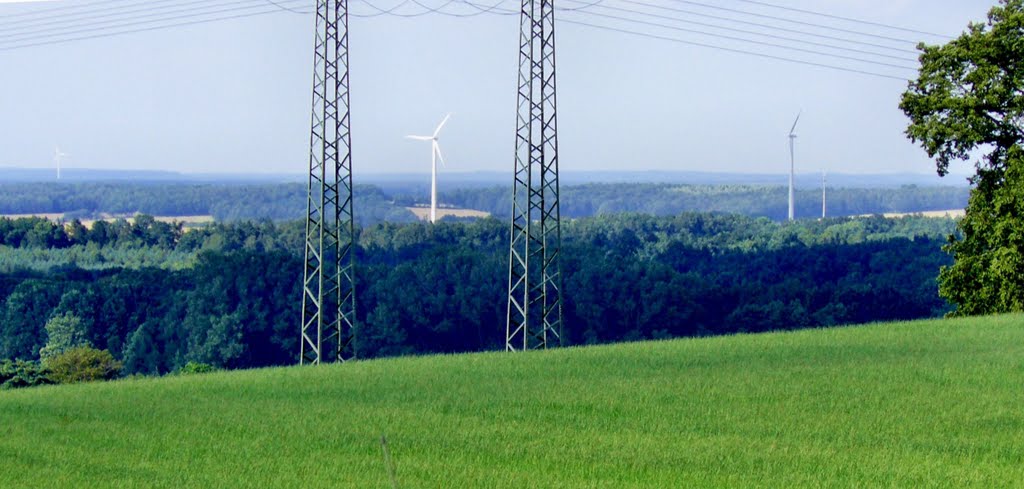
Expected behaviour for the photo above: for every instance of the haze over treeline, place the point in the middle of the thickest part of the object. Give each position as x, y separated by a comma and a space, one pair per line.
390, 200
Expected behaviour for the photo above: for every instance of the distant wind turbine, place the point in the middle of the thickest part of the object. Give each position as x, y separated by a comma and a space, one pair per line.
58, 157
435, 154
822, 194
792, 163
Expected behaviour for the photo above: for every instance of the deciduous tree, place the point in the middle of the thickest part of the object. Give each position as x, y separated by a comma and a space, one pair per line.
968, 101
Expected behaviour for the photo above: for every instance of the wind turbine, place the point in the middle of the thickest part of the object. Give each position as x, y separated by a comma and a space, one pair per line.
435, 154
792, 162
58, 157
822, 194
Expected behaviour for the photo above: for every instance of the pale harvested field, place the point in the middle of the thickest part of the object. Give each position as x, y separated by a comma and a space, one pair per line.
954, 213
52, 217
187, 220
423, 213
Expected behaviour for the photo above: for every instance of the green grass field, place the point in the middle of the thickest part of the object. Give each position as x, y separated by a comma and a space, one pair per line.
922, 404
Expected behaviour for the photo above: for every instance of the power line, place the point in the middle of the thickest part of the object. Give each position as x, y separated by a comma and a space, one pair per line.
228, 13
97, 27
585, 5
712, 46
847, 19
494, 9
767, 26
95, 20
288, 9
752, 41
798, 22
56, 18
55, 9
394, 10
381, 11
732, 50
745, 31
144, 29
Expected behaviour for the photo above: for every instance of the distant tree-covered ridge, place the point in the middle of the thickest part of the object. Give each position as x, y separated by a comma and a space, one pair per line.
751, 200
287, 201
225, 202
228, 294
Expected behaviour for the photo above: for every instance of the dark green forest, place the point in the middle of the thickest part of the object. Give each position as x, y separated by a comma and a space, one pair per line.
287, 201
158, 297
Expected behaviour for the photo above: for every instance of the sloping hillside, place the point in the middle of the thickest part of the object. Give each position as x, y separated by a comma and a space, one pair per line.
922, 404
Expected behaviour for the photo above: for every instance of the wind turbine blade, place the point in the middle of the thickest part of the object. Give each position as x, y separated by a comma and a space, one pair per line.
795, 122
437, 149
441, 125
420, 138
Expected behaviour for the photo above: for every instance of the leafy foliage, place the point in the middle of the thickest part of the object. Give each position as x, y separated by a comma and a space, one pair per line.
441, 288
63, 332
969, 98
15, 374
191, 368
83, 364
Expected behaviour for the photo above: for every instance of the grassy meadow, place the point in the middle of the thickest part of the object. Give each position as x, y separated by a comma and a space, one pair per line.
922, 404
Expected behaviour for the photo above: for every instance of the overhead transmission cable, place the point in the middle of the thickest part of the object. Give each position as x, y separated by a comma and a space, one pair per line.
767, 26
394, 10
847, 19
212, 8
732, 50
178, 21
750, 32
204, 16
289, 9
750, 41
44, 11
71, 17
147, 12
495, 9
818, 53
792, 21
717, 47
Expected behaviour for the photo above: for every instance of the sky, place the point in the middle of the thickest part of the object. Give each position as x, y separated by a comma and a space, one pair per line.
234, 96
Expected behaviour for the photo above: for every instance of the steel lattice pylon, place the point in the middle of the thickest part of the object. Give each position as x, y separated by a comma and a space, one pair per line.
328, 304
535, 279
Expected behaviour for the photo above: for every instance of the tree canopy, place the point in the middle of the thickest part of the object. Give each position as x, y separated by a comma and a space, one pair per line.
968, 102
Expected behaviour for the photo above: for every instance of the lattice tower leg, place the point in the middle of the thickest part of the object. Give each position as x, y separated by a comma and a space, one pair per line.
535, 278
328, 297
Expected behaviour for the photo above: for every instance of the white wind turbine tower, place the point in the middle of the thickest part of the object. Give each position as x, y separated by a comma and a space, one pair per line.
822, 194
792, 162
58, 157
435, 154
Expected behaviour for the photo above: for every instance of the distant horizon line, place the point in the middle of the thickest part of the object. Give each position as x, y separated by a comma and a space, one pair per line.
473, 172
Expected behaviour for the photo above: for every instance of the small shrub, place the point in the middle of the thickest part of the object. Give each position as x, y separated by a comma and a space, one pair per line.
83, 364
196, 368
23, 374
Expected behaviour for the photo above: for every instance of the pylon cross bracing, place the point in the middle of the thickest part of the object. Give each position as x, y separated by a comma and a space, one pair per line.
535, 278
329, 301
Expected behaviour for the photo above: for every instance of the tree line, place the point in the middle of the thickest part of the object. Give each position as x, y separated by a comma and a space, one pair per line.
223, 201
287, 201
234, 300
751, 200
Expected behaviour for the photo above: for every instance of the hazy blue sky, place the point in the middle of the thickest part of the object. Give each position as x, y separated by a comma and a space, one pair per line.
233, 96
